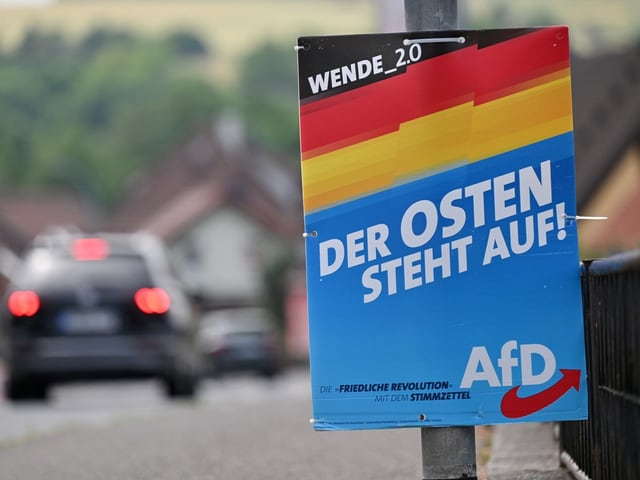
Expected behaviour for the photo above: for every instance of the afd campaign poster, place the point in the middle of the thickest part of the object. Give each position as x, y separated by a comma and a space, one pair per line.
441, 247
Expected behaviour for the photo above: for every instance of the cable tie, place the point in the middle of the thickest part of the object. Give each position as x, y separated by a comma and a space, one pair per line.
582, 217
409, 41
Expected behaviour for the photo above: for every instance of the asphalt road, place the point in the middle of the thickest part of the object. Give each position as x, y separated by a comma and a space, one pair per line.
238, 428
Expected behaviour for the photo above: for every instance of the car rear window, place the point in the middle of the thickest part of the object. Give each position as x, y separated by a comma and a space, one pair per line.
43, 269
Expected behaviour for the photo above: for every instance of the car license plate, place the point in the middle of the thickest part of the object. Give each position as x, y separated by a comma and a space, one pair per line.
91, 321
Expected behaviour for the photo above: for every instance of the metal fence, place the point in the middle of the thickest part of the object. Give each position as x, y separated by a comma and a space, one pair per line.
607, 445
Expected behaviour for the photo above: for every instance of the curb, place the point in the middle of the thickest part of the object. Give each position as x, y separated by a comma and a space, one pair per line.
525, 451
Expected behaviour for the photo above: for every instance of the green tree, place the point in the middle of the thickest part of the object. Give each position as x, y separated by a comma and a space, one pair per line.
187, 44
86, 115
267, 93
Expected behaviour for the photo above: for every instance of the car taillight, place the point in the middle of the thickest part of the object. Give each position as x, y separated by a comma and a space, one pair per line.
152, 300
90, 249
23, 303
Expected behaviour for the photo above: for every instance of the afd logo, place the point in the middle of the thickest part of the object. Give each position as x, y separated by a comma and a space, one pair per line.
480, 367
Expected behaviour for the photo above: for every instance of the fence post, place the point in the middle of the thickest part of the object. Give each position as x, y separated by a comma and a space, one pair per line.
594, 438
448, 453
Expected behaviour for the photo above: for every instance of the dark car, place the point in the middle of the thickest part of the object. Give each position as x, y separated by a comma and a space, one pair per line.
239, 340
96, 306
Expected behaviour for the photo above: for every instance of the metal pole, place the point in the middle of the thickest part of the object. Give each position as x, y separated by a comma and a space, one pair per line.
448, 453
431, 15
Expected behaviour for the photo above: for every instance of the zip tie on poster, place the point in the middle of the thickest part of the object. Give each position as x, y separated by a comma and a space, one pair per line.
582, 217
410, 41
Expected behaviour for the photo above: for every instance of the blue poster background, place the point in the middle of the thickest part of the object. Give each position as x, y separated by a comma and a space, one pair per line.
399, 360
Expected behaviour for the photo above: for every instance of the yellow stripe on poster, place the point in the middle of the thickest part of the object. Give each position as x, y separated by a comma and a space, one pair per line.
342, 193
521, 119
418, 146
434, 141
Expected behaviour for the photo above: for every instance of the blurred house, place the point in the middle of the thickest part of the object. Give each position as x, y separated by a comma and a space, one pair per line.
606, 108
227, 213
24, 215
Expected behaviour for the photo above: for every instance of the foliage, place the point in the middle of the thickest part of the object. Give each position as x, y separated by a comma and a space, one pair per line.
86, 115
267, 93
186, 43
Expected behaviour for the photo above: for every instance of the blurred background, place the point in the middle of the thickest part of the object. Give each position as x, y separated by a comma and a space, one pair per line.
180, 118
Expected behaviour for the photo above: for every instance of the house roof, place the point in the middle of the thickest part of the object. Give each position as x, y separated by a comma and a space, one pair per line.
606, 111
203, 176
24, 215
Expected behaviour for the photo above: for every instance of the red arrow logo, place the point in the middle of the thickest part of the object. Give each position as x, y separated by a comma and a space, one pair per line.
513, 406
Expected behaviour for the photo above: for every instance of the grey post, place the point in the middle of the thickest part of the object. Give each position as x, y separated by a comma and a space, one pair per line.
448, 453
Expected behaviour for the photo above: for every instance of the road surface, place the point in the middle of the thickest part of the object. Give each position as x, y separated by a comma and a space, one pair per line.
237, 428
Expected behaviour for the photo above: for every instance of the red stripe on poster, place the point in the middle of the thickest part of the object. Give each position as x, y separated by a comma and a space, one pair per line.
381, 107
520, 63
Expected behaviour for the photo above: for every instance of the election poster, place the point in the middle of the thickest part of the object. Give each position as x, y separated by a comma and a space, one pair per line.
442, 266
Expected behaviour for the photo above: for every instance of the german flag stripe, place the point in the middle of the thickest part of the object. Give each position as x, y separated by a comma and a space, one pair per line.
492, 100
358, 115
480, 75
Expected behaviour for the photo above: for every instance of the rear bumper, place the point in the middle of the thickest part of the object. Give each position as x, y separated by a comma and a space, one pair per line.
68, 357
